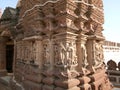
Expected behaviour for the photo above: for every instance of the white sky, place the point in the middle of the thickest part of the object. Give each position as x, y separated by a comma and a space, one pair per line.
112, 20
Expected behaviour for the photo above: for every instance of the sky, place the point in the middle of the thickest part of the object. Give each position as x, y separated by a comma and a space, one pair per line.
7, 3
112, 20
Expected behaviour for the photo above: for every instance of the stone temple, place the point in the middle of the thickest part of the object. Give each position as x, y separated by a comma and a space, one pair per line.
53, 45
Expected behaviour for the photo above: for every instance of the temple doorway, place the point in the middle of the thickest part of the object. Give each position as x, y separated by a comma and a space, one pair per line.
9, 57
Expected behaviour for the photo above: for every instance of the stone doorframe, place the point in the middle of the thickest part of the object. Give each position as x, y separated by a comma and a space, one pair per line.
3, 42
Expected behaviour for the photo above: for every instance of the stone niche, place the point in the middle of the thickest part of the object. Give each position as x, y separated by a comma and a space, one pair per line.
58, 46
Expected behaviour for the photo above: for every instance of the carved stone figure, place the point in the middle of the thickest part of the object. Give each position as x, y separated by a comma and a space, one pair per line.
84, 59
46, 53
98, 54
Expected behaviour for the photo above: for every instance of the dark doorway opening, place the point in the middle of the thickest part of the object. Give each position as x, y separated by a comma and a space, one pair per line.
9, 58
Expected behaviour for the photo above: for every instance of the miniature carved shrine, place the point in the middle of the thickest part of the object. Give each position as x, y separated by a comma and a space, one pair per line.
58, 45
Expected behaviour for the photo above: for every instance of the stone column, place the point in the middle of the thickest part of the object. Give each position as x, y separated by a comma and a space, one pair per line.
82, 52
90, 53
95, 52
65, 61
2, 56
48, 64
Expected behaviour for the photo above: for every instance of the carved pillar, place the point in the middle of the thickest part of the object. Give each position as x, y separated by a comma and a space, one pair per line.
48, 64
3, 56
65, 61
90, 53
95, 52
82, 53
39, 53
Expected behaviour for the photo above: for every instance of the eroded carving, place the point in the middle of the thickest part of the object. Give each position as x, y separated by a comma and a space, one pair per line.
66, 54
98, 54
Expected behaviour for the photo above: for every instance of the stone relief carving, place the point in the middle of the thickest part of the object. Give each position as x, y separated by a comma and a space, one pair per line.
46, 53
98, 54
57, 54
66, 54
84, 56
33, 51
26, 51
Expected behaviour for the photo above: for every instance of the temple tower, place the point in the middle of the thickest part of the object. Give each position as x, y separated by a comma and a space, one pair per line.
58, 45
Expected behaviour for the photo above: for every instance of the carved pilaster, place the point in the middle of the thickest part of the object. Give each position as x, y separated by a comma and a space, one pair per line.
65, 61
95, 52
82, 53
48, 64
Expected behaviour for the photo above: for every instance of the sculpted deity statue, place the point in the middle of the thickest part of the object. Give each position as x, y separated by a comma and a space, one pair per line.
84, 56
46, 54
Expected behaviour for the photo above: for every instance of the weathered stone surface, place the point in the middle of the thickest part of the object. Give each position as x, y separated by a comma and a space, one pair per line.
58, 45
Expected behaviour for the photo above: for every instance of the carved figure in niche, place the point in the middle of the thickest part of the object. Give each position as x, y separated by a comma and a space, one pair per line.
57, 55
70, 53
84, 56
67, 54
98, 54
62, 53
46, 54
33, 51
